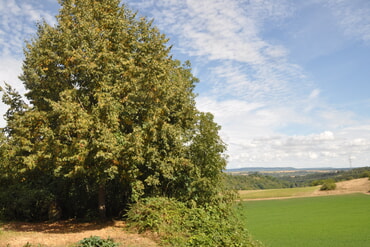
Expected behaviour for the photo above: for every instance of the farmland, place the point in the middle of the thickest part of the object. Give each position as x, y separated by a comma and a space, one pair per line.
277, 193
340, 220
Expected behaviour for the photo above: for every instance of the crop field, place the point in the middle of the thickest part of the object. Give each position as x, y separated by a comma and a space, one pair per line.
330, 221
272, 193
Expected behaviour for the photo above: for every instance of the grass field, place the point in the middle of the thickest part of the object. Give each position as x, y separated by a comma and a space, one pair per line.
328, 221
272, 193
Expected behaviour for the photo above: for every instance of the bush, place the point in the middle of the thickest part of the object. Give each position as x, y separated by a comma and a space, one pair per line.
328, 185
95, 241
18, 202
365, 174
179, 225
317, 182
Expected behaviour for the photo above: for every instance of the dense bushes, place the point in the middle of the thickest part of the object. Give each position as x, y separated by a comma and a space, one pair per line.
180, 225
328, 185
95, 241
254, 181
19, 202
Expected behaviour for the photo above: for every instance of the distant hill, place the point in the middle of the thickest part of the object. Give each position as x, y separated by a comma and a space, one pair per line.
281, 169
287, 177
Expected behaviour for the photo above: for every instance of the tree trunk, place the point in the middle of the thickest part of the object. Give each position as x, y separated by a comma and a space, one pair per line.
102, 208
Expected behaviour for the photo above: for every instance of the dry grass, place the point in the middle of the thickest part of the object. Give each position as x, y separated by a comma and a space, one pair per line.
67, 233
360, 185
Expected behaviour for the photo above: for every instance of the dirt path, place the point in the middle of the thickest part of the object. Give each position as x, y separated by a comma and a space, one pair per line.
66, 233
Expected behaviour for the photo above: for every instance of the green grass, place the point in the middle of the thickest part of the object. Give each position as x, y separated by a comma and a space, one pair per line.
329, 221
256, 194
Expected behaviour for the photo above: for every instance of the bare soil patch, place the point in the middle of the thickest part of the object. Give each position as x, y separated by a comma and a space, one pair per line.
67, 233
360, 185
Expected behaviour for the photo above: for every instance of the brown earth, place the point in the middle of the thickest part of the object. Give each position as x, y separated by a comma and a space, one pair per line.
67, 233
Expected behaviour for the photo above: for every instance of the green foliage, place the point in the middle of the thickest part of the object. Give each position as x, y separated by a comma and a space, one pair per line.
274, 180
112, 116
179, 225
3, 159
365, 174
254, 181
20, 202
318, 178
158, 214
317, 182
328, 185
95, 241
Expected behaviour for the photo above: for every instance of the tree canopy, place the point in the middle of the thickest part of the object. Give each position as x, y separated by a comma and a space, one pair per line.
112, 116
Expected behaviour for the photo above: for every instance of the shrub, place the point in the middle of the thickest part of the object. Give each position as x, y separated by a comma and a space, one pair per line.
316, 182
365, 174
179, 225
19, 202
95, 241
328, 185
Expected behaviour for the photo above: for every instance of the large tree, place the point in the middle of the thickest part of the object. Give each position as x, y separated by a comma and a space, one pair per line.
108, 104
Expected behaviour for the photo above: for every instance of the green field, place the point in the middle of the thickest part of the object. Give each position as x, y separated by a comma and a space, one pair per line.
289, 192
329, 221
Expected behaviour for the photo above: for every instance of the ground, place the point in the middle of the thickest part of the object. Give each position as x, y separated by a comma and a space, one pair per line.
66, 233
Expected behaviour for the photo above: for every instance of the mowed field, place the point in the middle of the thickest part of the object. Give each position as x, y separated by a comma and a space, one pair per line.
277, 193
361, 185
324, 220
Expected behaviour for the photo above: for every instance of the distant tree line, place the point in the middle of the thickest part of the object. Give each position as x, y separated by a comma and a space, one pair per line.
319, 178
255, 180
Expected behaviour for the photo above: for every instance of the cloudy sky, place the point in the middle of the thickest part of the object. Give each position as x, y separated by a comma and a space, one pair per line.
288, 81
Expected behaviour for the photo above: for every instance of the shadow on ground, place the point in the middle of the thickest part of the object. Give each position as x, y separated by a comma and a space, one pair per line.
62, 227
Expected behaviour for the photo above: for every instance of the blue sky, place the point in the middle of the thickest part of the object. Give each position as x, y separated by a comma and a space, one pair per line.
288, 81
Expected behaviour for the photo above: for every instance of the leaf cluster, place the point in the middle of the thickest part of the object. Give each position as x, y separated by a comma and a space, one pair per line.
180, 225
254, 181
96, 241
328, 184
19, 202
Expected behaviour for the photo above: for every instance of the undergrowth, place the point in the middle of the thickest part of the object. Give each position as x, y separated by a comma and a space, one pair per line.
328, 184
95, 241
178, 225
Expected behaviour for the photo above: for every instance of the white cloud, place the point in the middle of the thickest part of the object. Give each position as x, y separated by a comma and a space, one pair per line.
353, 17
17, 23
252, 133
10, 69
303, 151
314, 94
262, 82
253, 88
